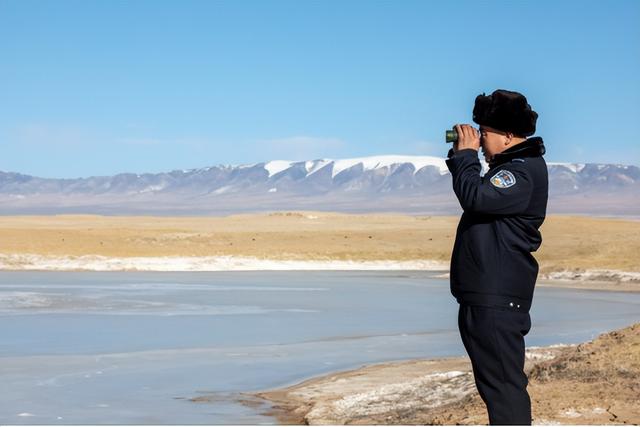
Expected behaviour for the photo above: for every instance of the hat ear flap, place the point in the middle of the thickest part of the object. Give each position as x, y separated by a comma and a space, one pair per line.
481, 108
522, 116
531, 125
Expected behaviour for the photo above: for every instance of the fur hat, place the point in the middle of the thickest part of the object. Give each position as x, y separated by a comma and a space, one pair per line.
506, 111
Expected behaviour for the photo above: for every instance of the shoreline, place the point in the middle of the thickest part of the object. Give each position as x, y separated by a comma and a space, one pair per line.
562, 385
35, 262
595, 279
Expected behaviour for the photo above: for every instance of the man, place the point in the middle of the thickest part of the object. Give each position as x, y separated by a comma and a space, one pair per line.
492, 270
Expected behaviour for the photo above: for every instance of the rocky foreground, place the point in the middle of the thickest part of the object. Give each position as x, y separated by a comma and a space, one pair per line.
597, 382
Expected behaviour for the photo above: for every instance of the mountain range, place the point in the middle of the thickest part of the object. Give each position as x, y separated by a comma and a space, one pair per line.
391, 183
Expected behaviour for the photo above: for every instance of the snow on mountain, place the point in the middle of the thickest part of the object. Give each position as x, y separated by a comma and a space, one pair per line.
312, 166
377, 183
375, 162
368, 163
277, 166
573, 167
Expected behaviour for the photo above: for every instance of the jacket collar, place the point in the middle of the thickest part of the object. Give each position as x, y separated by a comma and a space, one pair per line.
531, 147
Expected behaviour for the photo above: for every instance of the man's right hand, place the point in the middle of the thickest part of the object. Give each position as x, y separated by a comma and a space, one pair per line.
468, 137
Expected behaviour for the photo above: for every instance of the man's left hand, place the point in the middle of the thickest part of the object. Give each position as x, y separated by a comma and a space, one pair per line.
468, 137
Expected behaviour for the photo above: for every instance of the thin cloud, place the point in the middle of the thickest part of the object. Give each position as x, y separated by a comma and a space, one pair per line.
48, 135
300, 148
193, 143
429, 148
140, 141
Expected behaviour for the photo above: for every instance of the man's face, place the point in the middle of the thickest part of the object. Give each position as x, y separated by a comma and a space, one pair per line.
492, 142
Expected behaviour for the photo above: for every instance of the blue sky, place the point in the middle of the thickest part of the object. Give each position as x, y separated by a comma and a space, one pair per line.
102, 87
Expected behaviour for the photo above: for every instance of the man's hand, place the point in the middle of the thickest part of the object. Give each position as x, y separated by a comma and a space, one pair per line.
468, 137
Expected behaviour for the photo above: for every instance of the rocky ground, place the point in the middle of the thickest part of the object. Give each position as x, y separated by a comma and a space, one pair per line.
597, 382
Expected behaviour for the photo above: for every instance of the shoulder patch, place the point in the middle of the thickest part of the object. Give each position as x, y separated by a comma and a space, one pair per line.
503, 179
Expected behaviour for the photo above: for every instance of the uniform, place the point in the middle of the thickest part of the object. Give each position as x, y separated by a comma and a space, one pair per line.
493, 273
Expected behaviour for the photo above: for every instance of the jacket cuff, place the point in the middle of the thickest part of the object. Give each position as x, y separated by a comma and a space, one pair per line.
464, 152
461, 157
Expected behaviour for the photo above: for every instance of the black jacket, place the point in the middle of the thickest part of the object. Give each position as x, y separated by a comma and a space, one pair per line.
491, 263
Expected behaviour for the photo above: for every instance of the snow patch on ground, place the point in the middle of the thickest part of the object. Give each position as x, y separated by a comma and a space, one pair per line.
428, 391
210, 263
594, 275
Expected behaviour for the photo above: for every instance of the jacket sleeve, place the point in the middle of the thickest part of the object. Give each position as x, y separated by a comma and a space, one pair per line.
479, 195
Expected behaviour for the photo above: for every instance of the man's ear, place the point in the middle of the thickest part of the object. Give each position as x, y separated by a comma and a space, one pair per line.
509, 137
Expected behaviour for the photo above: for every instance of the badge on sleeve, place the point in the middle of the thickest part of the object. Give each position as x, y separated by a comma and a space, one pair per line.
503, 179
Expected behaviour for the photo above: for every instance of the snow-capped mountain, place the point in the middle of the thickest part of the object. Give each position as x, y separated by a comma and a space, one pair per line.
410, 184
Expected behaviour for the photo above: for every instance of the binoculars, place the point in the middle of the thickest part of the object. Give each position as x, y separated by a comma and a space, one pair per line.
451, 135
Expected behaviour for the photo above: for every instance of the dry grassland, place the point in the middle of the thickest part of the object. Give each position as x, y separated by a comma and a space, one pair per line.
569, 242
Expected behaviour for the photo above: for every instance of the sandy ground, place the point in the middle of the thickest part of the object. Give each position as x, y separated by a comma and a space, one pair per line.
575, 249
574, 384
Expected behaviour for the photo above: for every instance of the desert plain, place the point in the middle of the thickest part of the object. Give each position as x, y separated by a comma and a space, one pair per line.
596, 251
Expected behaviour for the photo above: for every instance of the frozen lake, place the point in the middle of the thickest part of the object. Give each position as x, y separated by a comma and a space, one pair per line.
132, 348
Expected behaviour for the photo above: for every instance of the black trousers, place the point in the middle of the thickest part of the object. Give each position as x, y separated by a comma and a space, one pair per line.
494, 340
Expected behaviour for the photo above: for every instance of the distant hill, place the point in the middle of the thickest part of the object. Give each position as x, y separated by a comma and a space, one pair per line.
407, 184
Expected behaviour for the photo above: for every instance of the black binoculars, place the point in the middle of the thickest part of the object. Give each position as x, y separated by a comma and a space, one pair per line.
451, 135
